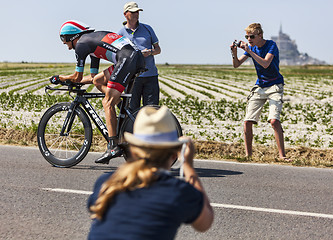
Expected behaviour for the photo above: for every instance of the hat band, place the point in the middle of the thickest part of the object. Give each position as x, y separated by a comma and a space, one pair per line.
159, 137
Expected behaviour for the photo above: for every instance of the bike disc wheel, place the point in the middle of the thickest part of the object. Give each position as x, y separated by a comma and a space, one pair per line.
67, 150
128, 127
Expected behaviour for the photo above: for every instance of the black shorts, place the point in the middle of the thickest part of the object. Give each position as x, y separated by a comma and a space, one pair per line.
129, 62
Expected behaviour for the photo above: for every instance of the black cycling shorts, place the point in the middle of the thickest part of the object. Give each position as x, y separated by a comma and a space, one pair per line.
129, 62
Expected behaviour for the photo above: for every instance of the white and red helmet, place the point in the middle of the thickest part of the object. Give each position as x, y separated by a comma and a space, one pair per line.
73, 29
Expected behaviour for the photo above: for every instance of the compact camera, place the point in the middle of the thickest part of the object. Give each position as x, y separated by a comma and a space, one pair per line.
237, 44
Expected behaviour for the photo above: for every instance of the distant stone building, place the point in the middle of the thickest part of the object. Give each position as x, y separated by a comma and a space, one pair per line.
289, 54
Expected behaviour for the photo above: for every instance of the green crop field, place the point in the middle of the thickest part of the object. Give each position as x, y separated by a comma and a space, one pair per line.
208, 100
211, 101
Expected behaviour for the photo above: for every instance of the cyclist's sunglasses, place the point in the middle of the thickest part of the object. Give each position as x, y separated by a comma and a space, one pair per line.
68, 38
64, 38
250, 36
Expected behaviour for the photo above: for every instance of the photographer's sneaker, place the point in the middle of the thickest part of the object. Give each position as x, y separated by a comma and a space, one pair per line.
110, 153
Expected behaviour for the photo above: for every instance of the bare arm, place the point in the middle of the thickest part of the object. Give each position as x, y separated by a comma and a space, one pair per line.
88, 79
75, 77
264, 62
206, 217
154, 51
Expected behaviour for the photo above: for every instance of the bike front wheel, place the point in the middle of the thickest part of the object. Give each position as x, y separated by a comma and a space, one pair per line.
127, 126
70, 148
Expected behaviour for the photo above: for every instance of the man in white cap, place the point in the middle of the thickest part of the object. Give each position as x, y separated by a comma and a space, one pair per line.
142, 35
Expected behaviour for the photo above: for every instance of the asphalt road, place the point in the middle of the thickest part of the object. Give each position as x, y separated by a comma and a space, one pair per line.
251, 201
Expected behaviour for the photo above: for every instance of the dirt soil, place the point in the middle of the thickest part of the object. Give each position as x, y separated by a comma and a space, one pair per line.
301, 156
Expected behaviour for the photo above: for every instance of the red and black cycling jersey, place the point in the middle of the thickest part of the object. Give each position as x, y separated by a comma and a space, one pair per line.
99, 45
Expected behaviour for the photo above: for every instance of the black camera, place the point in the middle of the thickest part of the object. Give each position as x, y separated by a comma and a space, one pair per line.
237, 44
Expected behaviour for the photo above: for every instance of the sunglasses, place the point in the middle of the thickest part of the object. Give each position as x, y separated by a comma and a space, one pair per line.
64, 38
250, 36
68, 38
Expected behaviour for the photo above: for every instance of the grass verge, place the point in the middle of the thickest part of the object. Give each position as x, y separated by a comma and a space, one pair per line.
301, 156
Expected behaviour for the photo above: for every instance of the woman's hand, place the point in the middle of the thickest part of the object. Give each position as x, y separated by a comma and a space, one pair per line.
189, 150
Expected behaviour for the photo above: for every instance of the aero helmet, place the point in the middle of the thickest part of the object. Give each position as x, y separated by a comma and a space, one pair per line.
73, 29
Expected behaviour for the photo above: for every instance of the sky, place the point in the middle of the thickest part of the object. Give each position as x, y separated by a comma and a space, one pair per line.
189, 32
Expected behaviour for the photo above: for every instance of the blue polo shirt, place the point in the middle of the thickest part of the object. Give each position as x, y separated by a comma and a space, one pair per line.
267, 76
143, 37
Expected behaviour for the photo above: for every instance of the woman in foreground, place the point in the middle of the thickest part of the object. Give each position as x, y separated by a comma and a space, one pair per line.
142, 200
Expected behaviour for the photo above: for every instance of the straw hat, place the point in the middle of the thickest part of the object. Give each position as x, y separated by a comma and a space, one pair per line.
132, 7
154, 128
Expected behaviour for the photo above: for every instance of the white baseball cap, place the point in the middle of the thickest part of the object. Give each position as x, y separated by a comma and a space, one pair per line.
132, 7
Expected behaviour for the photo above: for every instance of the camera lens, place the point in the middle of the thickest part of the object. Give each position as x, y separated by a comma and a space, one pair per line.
237, 44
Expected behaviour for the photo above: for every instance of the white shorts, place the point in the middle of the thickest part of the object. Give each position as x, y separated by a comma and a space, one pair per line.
257, 99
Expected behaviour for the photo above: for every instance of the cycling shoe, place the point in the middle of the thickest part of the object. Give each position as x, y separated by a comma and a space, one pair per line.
110, 153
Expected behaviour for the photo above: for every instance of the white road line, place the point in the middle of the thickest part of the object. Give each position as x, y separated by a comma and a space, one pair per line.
270, 210
219, 205
67, 191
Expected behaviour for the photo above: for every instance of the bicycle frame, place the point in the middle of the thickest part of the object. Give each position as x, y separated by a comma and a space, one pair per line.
82, 99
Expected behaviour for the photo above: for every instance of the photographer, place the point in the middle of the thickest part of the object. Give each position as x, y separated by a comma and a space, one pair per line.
269, 85
142, 200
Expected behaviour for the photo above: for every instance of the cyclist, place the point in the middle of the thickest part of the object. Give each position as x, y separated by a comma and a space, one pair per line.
127, 59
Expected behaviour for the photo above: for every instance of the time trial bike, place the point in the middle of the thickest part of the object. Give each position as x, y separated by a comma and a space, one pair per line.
65, 131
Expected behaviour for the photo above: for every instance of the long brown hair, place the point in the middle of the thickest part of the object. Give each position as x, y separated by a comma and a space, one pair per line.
138, 173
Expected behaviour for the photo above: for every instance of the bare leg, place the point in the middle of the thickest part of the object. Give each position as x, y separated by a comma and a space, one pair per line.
101, 80
278, 132
87, 80
111, 98
248, 137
